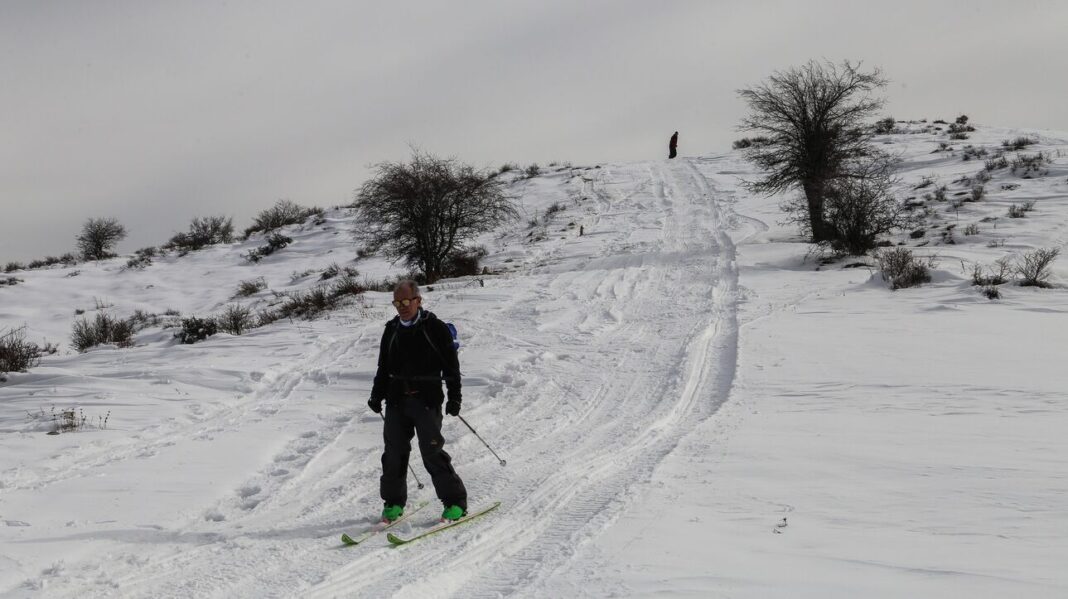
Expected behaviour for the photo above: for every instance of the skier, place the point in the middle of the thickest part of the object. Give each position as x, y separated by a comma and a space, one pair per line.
673, 145
415, 355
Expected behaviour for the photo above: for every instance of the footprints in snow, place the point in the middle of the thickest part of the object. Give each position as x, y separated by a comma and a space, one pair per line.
285, 466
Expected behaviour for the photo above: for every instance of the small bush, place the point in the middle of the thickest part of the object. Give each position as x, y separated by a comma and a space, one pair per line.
991, 292
958, 135
997, 163
884, 126
465, 262
983, 176
533, 170
235, 319
1018, 144
506, 167
346, 285
334, 270
1034, 268
17, 354
204, 232
972, 229
196, 329
283, 213
13, 266
901, 269
551, 210
102, 329
9, 281
996, 275
924, 182
251, 287
1021, 211
751, 142
971, 151
978, 192
138, 262
275, 242
1028, 164
307, 304
940, 193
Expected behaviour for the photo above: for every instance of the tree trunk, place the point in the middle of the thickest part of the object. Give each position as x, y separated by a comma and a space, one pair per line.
814, 197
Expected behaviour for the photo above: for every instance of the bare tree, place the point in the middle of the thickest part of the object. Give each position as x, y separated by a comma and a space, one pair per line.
98, 238
424, 211
814, 116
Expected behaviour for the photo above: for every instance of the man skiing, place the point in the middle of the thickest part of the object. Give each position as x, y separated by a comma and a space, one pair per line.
415, 355
673, 145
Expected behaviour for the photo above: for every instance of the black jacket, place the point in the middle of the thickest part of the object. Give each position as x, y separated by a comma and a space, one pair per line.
413, 360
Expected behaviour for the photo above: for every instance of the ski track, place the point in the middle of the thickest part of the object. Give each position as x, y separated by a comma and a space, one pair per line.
580, 425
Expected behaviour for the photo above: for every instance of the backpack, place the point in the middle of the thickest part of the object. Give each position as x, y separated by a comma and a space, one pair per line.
455, 335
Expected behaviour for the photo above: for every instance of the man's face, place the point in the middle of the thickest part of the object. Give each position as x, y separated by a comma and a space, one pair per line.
405, 295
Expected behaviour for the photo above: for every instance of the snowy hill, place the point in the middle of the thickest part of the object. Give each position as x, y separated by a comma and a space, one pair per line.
688, 405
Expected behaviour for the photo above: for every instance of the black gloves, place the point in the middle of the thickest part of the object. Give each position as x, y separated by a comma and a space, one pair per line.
452, 407
375, 403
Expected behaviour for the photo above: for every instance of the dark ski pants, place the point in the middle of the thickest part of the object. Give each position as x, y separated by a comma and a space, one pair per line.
671, 153
404, 418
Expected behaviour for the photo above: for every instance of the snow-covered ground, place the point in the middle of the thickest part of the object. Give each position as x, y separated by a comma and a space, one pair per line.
688, 405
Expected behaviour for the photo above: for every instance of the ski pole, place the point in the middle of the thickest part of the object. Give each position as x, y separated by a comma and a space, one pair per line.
410, 469
503, 463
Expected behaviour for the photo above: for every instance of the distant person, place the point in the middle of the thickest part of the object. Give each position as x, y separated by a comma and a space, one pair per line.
415, 355
673, 145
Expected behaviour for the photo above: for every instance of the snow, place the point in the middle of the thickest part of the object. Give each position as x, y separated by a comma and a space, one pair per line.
666, 389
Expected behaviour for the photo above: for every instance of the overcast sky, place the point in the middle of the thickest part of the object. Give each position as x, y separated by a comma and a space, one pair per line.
156, 112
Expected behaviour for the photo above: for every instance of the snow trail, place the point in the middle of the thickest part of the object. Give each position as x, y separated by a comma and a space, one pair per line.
586, 366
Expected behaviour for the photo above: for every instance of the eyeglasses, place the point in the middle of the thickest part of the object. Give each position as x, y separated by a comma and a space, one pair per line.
404, 302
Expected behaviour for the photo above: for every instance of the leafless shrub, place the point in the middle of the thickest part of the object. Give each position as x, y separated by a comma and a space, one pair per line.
283, 213
13, 266
1034, 268
925, 182
102, 329
978, 192
901, 269
996, 275
202, 233
972, 229
275, 242
997, 163
748, 142
884, 126
235, 319
971, 151
251, 287
1021, 211
1024, 164
17, 354
195, 329
1018, 144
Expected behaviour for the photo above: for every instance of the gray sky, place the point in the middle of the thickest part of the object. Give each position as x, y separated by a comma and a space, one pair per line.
156, 112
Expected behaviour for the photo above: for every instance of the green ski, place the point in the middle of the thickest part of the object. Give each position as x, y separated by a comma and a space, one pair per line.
440, 527
380, 527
